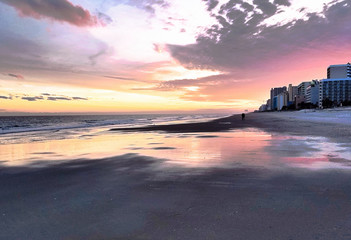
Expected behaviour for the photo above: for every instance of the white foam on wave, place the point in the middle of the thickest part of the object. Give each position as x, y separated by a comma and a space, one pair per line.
24, 129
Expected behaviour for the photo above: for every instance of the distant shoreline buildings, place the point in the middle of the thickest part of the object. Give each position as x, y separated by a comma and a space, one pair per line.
333, 91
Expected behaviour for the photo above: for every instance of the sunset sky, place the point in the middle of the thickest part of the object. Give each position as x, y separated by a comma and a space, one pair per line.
163, 55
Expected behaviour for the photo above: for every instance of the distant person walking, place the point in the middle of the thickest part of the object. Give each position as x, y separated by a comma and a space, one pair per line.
243, 116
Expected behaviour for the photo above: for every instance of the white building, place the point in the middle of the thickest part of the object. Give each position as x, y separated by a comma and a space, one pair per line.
312, 93
282, 100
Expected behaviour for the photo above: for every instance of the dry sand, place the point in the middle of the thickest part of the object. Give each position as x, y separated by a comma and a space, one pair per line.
125, 198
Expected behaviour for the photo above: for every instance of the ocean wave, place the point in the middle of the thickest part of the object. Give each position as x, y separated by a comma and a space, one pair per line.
9, 125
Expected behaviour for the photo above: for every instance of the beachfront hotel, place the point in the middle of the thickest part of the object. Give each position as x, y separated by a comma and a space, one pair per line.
312, 93
274, 96
292, 91
339, 71
333, 91
302, 88
336, 89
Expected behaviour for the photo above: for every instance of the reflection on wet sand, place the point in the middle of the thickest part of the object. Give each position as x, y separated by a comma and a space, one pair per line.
245, 147
131, 197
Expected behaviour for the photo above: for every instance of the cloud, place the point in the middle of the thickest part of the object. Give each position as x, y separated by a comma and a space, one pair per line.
59, 98
177, 84
3, 110
5, 97
211, 4
120, 78
32, 54
95, 56
127, 79
48, 97
266, 7
79, 98
149, 5
240, 40
57, 10
17, 52
32, 99
18, 76
282, 2
104, 18
64, 98
183, 83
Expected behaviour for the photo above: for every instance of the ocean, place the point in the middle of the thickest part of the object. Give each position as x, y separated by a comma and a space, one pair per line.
19, 129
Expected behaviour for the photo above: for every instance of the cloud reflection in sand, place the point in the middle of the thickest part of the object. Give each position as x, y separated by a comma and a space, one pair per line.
247, 147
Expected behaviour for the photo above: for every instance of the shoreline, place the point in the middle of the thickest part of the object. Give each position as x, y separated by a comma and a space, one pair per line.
276, 122
221, 124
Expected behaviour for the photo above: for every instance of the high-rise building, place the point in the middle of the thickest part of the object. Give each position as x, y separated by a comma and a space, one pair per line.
269, 105
299, 99
339, 71
335, 91
282, 100
263, 108
292, 90
336, 88
312, 93
301, 89
274, 93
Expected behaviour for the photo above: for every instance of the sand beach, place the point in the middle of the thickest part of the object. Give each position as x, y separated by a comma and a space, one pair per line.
333, 123
281, 175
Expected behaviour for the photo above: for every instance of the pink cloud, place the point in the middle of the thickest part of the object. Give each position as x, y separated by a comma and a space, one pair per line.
57, 10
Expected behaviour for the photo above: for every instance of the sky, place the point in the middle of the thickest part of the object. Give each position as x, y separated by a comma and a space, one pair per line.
114, 56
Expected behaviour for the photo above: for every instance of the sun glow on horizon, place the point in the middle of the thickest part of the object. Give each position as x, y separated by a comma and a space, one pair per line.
42, 98
192, 88
164, 55
178, 72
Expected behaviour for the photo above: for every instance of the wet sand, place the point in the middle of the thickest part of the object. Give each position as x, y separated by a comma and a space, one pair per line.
278, 122
125, 198
132, 197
